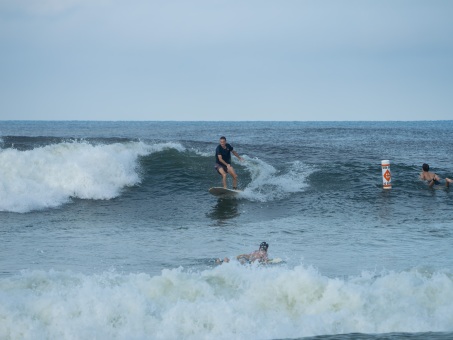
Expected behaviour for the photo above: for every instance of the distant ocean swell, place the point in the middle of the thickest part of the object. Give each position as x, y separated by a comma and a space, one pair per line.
229, 301
50, 175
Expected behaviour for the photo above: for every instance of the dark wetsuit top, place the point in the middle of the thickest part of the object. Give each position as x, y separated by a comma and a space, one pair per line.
226, 154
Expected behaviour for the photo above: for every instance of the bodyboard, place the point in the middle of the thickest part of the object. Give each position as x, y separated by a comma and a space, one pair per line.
275, 260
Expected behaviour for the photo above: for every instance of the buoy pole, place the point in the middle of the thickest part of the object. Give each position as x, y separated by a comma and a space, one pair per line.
386, 175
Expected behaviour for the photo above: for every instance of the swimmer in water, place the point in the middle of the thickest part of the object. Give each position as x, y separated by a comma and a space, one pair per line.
431, 178
259, 255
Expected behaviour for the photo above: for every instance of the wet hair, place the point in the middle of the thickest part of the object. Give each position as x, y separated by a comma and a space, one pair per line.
264, 245
425, 167
223, 137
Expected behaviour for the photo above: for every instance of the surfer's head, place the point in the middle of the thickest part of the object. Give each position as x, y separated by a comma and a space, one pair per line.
222, 141
264, 246
425, 167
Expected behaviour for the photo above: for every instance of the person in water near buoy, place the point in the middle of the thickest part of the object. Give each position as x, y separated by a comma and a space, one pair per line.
432, 178
259, 255
223, 162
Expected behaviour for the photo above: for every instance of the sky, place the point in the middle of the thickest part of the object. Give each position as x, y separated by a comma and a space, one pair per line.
220, 60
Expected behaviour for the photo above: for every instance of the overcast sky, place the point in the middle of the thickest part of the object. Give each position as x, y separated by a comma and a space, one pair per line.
226, 60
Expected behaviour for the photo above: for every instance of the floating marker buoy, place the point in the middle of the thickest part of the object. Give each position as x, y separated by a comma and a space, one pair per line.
386, 175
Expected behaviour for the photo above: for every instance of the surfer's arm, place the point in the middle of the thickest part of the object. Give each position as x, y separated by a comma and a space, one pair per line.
222, 161
237, 155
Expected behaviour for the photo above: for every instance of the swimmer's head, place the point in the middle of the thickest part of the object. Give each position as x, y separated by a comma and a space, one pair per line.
264, 246
425, 167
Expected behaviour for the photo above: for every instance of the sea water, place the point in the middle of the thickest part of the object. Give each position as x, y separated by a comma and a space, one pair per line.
108, 231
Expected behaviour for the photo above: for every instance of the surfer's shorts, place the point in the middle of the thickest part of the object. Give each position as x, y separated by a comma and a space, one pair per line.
218, 166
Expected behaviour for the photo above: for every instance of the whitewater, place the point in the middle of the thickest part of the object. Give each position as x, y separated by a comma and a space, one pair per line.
226, 302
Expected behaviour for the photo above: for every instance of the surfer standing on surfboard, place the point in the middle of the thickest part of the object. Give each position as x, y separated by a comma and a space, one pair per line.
223, 162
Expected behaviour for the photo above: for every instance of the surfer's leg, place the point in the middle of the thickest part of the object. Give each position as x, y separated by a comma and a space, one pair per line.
448, 181
235, 177
224, 175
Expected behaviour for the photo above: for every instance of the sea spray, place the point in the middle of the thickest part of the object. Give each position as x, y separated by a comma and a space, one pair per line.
269, 184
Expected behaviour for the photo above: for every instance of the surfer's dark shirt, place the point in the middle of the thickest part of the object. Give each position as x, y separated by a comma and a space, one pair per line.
226, 153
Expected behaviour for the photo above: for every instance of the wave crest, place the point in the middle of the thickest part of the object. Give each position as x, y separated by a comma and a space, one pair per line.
49, 176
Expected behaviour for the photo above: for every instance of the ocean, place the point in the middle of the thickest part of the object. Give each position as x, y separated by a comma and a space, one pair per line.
108, 231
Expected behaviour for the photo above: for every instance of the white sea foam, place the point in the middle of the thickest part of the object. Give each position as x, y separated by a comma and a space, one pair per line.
230, 301
49, 176
269, 184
